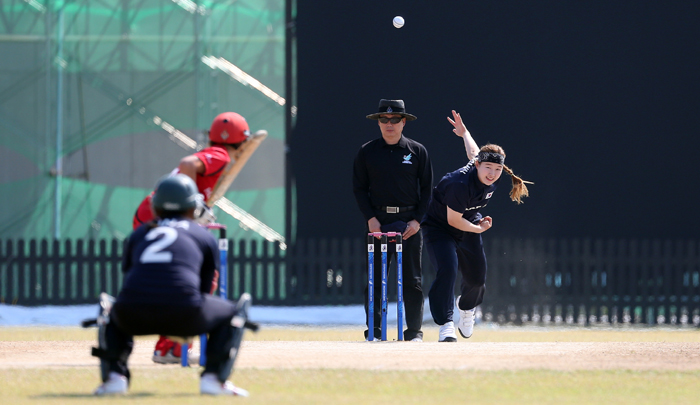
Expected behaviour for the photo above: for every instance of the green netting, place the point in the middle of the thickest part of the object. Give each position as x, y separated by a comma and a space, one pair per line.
93, 82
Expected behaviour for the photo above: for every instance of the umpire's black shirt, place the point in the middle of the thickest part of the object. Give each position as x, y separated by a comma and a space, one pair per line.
399, 175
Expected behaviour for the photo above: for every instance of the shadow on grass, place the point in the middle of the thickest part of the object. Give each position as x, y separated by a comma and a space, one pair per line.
128, 395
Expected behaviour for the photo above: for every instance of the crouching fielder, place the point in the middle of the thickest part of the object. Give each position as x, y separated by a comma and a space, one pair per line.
169, 266
452, 230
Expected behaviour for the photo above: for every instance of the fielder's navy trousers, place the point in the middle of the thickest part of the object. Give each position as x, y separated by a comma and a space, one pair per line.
131, 319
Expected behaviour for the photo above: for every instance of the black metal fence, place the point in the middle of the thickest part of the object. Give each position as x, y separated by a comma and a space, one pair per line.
529, 280
589, 281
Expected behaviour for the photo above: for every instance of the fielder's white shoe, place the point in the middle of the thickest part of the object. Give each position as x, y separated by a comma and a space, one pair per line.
116, 384
466, 321
416, 339
447, 332
210, 385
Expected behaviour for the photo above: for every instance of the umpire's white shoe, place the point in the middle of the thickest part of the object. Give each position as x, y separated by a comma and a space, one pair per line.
465, 325
116, 384
447, 332
210, 385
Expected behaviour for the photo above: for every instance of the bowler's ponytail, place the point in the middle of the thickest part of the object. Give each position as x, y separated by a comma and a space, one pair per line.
519, 189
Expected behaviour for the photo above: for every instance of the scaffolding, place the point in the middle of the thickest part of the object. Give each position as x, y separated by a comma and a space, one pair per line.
100, 98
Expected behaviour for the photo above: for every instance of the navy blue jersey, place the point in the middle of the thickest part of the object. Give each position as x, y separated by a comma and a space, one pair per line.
462, 191
172, 263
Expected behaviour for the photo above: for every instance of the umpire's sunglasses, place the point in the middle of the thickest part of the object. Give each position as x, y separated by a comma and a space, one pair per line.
393, 120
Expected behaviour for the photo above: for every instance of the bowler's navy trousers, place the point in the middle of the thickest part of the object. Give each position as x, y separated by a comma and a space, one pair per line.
449, 255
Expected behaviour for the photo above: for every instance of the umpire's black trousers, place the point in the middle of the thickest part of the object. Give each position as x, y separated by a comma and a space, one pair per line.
412, 279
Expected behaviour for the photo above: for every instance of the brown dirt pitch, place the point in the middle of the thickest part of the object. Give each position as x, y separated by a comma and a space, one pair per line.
492, 351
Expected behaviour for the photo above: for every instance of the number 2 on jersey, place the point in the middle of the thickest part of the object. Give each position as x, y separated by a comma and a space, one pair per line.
155, 253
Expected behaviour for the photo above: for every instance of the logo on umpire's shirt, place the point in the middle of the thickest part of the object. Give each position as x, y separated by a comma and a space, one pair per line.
407, 159
489, 195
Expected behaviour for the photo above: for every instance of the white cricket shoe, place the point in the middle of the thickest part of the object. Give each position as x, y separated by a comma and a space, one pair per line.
416, 339
167, 358
447, 332
466, 320
210, 385
192, 359
116, 384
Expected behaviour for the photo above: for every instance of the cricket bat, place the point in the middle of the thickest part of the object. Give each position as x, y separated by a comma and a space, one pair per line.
239, 158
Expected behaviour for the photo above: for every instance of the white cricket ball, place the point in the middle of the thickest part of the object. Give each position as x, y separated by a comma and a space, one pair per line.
398, 21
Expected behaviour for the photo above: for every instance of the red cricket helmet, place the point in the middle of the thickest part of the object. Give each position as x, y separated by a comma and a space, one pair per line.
229, 127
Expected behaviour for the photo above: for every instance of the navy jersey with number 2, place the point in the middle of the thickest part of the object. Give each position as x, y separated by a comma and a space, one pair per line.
171, 263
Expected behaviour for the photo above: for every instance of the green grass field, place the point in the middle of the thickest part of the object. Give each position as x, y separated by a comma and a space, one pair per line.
175, 385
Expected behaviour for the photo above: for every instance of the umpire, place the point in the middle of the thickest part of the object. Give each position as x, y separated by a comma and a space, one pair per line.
392, 181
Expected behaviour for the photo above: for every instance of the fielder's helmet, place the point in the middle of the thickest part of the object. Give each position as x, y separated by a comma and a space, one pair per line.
229, 127
176, 193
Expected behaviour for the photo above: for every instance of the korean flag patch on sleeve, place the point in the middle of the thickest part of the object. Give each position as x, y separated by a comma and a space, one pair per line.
489, 195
